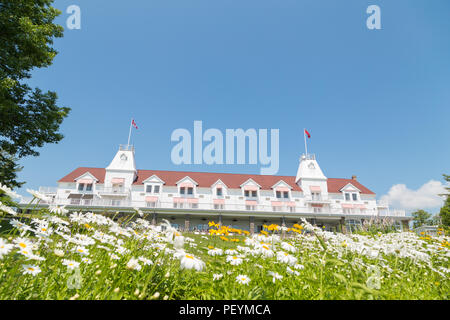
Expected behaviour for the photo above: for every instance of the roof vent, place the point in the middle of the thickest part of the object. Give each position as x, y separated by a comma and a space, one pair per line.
354, 178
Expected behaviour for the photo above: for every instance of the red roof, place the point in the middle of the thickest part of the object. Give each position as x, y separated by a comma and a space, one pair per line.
207, 179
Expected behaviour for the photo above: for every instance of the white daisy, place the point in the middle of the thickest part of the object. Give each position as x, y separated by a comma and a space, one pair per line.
190, 262
242, 279
29, 269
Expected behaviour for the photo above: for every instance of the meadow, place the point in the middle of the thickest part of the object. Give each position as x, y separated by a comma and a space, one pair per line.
56, 254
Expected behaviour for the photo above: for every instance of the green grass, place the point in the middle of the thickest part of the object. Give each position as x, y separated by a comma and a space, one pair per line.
330, 269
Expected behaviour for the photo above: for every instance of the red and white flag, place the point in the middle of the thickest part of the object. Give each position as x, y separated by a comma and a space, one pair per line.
307, 133
134, 123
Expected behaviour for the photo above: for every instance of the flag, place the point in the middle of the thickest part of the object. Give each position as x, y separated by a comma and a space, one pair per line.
134, 123
307, 133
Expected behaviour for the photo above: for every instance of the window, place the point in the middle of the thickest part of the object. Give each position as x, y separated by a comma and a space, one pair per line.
148, 189
317, 210
178, 205
251, 194
353, 225
89, 187
315, 195
190, 190
285, 194
182, 190
278, 194
218, 206
151, 204
355, 196
115, 202
80, 187
250, 207
156, 189
219, 192
347, 197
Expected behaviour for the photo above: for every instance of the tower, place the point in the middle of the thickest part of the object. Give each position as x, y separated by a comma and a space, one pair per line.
310, 177
121, 172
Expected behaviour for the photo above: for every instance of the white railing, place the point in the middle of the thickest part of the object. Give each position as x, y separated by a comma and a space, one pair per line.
92, 203
393, 213
47, 190
309, 156
113, 190
382, 203
126, 147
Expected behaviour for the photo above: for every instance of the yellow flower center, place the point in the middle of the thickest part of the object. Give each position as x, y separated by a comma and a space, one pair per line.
22, 245
189, 256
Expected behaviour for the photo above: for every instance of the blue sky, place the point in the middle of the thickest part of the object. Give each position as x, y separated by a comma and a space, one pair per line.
376, 102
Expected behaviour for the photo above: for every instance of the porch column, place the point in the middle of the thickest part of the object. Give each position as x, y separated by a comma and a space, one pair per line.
154, 218
252, 225
405, 225
186, 223
220, 220
342, 225
283, 225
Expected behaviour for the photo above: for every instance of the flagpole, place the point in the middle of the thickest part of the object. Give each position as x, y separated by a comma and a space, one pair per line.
306, 147
129, 134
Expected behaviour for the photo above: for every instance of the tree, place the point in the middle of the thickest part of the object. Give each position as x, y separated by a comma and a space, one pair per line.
29, 118
444, 214
421, 217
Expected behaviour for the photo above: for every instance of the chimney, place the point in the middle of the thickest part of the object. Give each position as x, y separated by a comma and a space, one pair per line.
354, 177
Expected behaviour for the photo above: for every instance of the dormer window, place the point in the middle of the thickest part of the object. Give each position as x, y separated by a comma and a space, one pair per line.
152, 188
219, 192
355, 196
315, 196
186, 190
251, 193
347, 196
282, 194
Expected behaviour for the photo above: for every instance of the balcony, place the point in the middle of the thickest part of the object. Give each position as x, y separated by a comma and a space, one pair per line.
119, 191
48, 190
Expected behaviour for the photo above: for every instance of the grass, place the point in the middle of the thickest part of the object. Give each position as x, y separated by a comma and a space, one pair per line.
327, 266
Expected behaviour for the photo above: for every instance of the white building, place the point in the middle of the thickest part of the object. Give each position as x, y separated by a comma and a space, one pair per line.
247, 201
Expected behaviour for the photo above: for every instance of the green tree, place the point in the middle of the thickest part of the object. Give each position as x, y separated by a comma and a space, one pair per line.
445, 210
421, 217
29, 118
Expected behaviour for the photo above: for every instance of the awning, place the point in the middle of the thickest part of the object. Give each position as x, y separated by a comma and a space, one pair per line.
317, 205
88, 196
282, 189
251, 202
118, 180
192, 200
347, 206
359, 206
186, 185
75, 196
219, 201
251, 188
315, 189
86, 181
290, 204
178, 200
277, 204
151, 199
